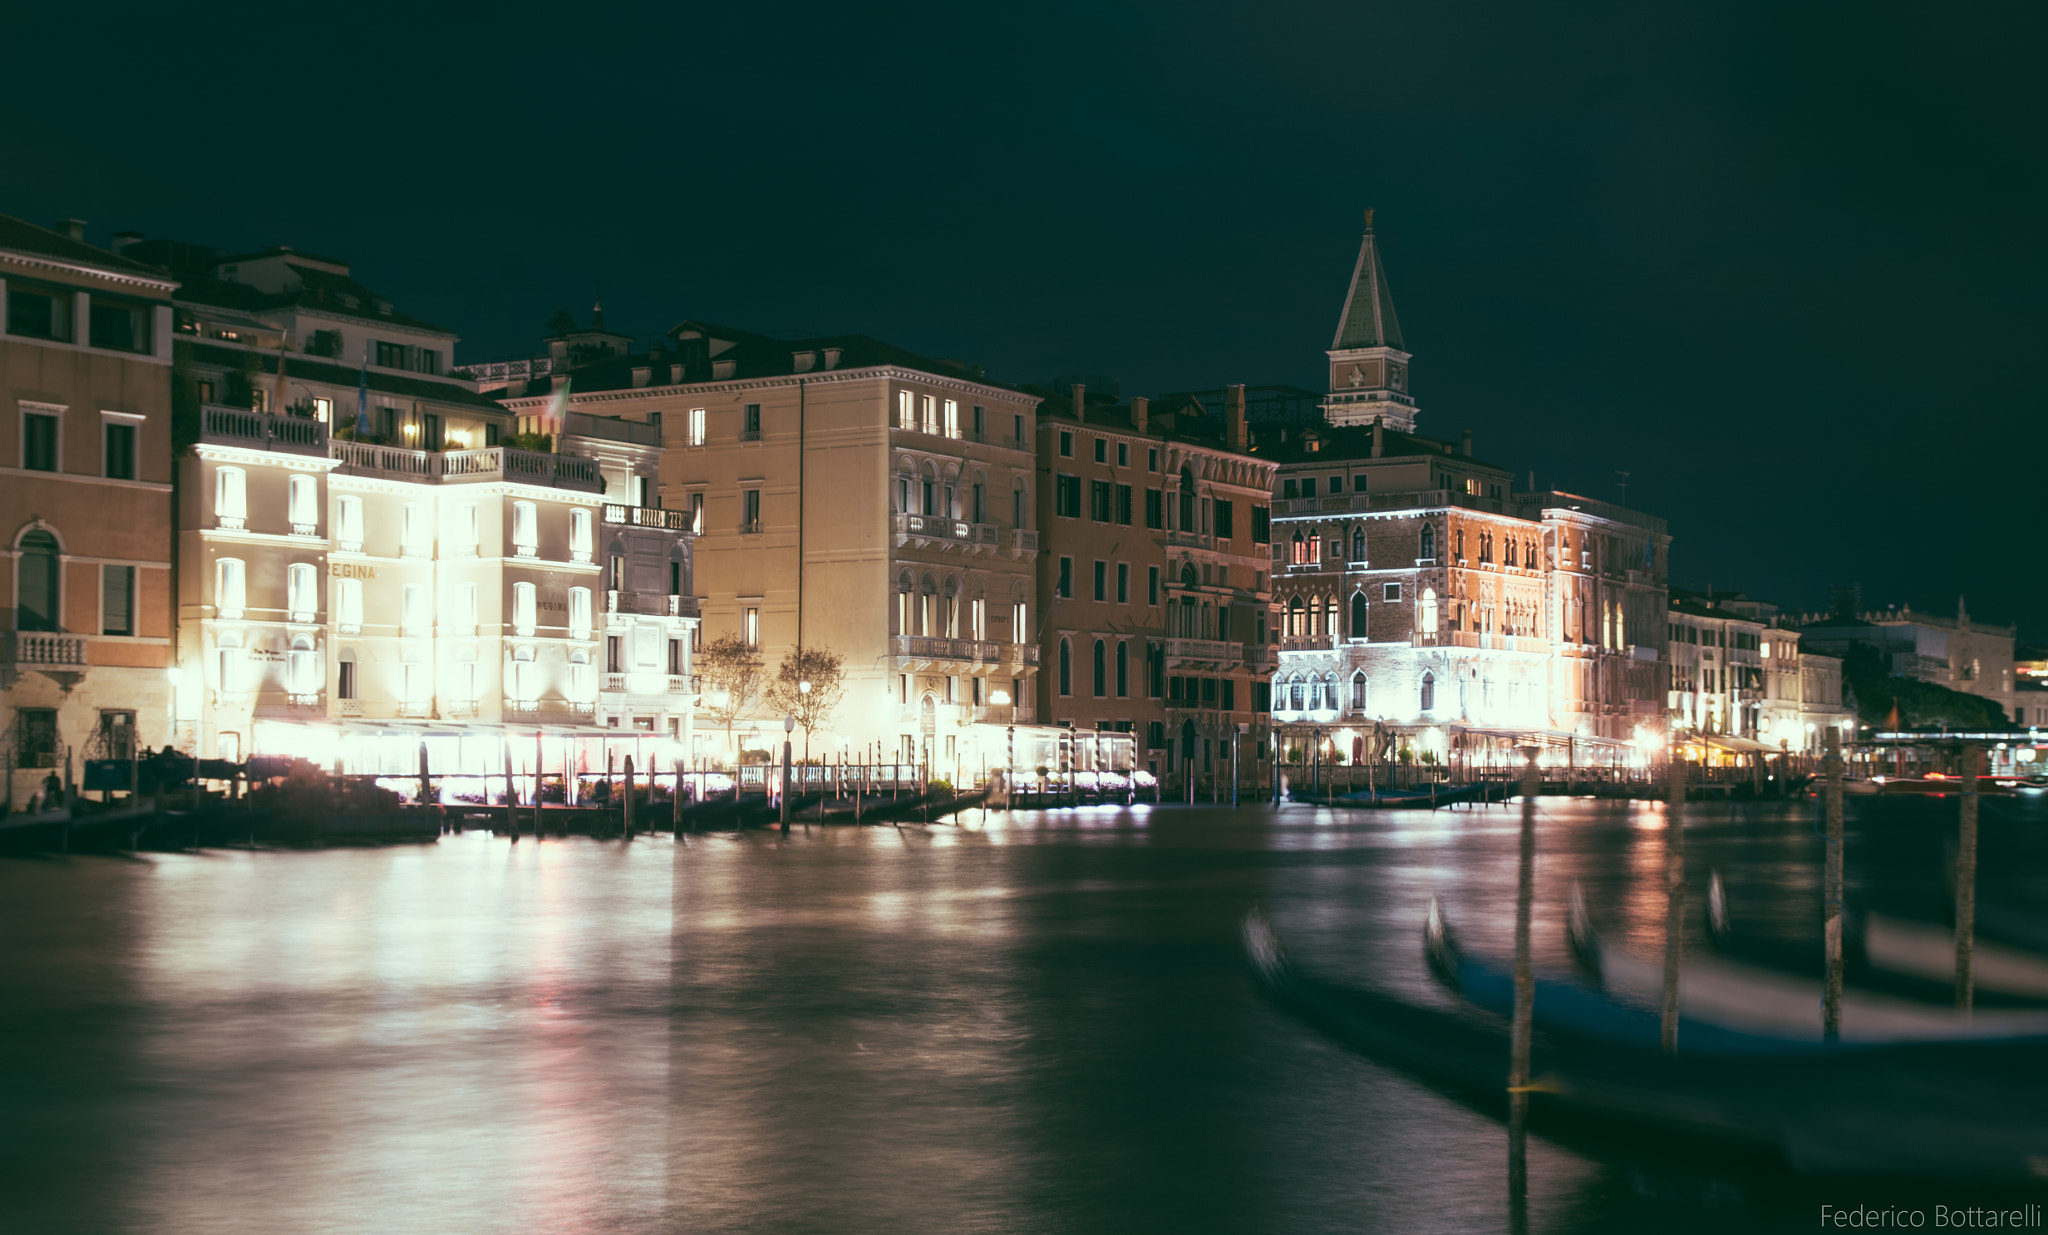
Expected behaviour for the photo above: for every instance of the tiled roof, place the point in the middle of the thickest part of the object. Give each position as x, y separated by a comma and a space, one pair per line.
320, 290
1172, 418
22, 236
1339, 443
751, 356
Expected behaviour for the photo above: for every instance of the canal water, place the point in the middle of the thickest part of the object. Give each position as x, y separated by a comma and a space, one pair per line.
1032, 1023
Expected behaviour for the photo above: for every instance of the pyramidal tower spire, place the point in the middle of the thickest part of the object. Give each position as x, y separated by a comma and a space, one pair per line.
1368, 364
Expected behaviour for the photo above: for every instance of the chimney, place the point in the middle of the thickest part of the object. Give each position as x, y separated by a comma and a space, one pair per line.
804, 361
831, 357
74, 228
1379, 436
1140, 408
1235, 417
1467, 451
1080, 397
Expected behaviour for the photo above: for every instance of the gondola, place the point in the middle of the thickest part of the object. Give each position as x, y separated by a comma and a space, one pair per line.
1426, 798
1907, 1109
1890, 956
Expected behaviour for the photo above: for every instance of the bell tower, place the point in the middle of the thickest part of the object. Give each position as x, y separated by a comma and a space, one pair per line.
1368, 366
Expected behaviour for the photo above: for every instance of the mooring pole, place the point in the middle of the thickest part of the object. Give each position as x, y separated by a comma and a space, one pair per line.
1674, 892
1966, 887
675, 804
1831, 891
1523, 1026
626, 819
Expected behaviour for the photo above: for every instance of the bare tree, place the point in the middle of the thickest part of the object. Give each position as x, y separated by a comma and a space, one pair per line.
731, 670
813, 708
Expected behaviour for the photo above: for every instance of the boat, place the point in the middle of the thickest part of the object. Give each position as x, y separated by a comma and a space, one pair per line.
1906, 1109
1428, 797
1758, 1001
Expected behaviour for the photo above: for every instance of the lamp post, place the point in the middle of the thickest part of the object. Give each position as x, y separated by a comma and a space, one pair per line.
804, 688
788, 725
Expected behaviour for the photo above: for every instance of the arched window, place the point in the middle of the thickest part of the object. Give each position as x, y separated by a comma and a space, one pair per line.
524, 608
1187, 500
1066, 667
39, 582
303, 667
927, 607
231, 497
581, 541
345, 674
227, 663
1358, 624
1330, 617
905, 621
525, 675
303, 590
1358, 544
1123, 669
580, 678
1296, 620
1331, 698
1298, 692
1511, 553
1459, 540
1298, 550
1429, 692
1358, 691
1429, 610
304, 501
1101, 667
1428, 541
230, 587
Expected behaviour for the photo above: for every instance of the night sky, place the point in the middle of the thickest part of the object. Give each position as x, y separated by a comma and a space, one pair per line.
1783, 264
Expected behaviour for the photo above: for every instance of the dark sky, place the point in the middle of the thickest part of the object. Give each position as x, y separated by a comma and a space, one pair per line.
1782, 263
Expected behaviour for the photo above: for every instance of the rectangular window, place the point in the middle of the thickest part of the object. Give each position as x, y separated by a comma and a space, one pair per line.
905, 417
1123, 583
1151, 585
117, 600
693, 433
119, 326
750, 422
952, 418
1230, 694
465, 609
1226, 524
1066, 444
1123, 505
119, 449
348, 604
1101, 580
1155, 509
750, 510
1101, 450
230, 587
39, 441
1336, 484
614, 655
1101, 501
390, 355
39, 314
1262, 525
696, 508
345, 683
980, 424
1123, 454
750, 627
525, 608
1017, 422
430, 360
1392, 593
1290, 488
1065, 587
412, 609
1308, 486
1067, 496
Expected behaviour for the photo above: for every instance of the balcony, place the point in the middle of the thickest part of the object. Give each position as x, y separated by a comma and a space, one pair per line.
922, 530
750, 527
492, 463
550, 711
650, 604
1023, 540
234, 426
47, 651
647, 684
968, 651
648, 516
1215, 652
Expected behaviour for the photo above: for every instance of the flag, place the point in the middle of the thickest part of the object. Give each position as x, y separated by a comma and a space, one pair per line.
363, 396
1891, 722
558, 409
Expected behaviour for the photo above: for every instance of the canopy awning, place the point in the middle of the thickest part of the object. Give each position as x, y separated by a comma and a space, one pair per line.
1729, 742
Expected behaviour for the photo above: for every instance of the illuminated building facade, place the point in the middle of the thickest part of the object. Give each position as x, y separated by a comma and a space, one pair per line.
846, 495
85, 367
1155, 578
1957, 652
1417, 592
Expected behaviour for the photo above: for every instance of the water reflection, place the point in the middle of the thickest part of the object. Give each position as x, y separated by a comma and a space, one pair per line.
1028, 1022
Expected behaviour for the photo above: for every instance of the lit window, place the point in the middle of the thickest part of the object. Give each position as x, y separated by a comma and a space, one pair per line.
524, 607
413, 534
751, 628
230, 587
303, 591
579, 612
348, 605
304, 506
349, 523
465, 608
230, 500
695, 435
525, 529
413, 616
579, 535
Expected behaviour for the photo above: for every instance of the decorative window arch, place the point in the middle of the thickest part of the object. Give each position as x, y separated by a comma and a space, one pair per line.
1066, 666
1429, 540
1358, 615
1299, 693
1359, 689
39, 580
303, 667
1295, 622
1357, 542
228, 662
1101, 668
1298, 549
1123, 669
1428, 619
1428, 691
1188, 577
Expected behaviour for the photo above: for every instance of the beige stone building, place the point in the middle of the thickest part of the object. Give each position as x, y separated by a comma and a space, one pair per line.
847, 495
1155, 580
85, 367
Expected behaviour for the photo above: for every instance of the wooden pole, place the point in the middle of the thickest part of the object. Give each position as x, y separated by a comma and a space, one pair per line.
536, 783
1966, 887
1674, 892
1831, 892
1522, 1029
626, 819
511, 799
675, 804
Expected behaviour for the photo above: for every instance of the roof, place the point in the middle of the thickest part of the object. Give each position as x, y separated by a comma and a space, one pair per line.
1368, 319
319, 290
1339, 443
1171, 418
22, 236
751, 356
313, 369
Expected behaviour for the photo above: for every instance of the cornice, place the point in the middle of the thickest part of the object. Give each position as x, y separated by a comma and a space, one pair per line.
275, 458
820, 376
50, 263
